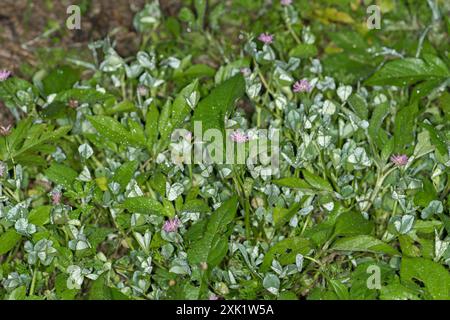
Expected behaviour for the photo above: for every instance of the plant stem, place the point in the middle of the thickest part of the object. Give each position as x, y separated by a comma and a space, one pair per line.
33, 281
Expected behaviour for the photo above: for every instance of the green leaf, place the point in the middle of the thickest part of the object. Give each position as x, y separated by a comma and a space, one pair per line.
164, 126
125, 173
352, 224
375, 131
196, 205
62, 78
433, 275
283, 215
61, 174
317, 182
359, 106
39, 136
100, 291
424, 88
292, 182
196, 71
90, 96
8, 240
180, 107
10, 87
213, 246
200, 9
40, 216
303, 50
211, 111
113, 130
56, 110
151, 126
144, 205
340, 289
62, 292
396, 291
364, 243
137, 132
436, 138
19, 293
285, 251
124, 106
407, 71
404, 128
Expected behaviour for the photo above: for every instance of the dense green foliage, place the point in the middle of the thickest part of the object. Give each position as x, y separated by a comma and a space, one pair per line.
92, 207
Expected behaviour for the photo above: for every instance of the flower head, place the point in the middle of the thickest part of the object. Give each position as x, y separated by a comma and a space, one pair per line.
5, 131
286, 2
73, 103
302, 86
56, 196
265, 38
4, 74
171, 225
142, 90
399, 160
239, 137
213, 297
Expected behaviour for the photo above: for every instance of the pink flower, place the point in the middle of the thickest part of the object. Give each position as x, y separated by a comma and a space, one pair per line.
399, 160
239, 137
302, 86
142, 90
4, 74
5, 131
56, 197
73, 103
286, 2
213, 297
265, 38
171, 225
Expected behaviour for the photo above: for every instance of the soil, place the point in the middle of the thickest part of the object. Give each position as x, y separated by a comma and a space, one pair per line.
25, 25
